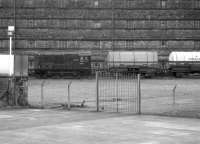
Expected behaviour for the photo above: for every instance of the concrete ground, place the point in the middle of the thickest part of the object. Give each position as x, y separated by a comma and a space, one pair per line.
34, 126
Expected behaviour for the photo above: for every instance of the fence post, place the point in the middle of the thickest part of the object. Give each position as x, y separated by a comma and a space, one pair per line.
116, 90
42, 94
68, 95
139, 93
97, 91
174, 94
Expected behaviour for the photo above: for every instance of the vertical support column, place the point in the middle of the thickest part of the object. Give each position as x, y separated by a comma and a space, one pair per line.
10, 57
174, 94
68, 96
116, 90
42, 94
97, 91
11, 70
139, 93
10, 44
11, 30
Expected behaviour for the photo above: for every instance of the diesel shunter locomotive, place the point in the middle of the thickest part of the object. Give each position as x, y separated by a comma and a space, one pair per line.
61, 65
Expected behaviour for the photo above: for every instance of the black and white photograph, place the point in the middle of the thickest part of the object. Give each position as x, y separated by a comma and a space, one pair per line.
99, 71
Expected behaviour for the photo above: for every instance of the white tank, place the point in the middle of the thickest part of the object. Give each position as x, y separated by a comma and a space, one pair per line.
6, 65
184, 56
132, 58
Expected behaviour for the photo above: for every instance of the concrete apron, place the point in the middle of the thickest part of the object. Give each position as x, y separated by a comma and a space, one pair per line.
63, 127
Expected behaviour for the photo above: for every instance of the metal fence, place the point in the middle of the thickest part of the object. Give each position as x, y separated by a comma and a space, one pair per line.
118, 92
69, 93
109, 91
4, 87
171, 97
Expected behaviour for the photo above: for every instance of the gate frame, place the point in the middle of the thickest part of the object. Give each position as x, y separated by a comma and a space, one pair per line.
97, 91
138, 92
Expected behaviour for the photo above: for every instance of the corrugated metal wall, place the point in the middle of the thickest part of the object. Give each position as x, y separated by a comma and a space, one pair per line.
74, 25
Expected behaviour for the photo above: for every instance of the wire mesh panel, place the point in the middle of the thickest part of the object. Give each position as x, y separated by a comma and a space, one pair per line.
118, 92
171, 97
82, 94
56, 93
47, 93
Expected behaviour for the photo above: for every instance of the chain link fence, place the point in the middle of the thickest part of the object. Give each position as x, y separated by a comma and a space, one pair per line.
54, 93
171, 97
114, 92
109, 91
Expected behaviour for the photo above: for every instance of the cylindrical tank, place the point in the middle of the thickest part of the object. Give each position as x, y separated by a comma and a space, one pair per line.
184, 56
6, 65
127, 58
183, 63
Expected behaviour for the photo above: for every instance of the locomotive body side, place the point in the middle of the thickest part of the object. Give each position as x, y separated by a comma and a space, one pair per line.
62, 65
184, 63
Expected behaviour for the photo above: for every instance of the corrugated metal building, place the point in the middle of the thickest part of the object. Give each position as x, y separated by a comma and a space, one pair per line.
96, 26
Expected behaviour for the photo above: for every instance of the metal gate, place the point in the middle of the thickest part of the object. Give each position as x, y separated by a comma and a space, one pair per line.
118, 92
